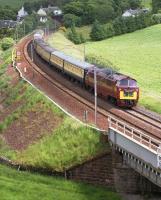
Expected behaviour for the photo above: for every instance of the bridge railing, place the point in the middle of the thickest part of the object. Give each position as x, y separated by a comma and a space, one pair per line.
136, 135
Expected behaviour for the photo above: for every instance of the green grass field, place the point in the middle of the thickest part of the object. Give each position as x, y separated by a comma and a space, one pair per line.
59, 41
136, 54
16, 185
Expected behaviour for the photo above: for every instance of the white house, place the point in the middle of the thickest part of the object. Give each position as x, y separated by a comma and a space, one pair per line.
42, 15
21, 14
54, 10
133, 13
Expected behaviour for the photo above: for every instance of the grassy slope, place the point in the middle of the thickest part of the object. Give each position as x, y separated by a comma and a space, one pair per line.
69, 144
15, 185
136, 54
60, 42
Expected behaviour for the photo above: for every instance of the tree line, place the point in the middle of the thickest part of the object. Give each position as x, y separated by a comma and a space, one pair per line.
84, 12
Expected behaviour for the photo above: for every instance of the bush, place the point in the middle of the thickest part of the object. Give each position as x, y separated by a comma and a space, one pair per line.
75, 37
7, 43
156, 18
98, 31
109, 30
70, 20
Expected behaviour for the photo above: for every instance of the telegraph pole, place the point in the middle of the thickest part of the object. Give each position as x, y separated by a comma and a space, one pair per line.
95, 93
32, 55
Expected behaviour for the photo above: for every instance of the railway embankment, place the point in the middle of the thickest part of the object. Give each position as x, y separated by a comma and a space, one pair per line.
61, 146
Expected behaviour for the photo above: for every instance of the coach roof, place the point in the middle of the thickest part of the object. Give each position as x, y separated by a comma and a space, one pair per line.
72, 60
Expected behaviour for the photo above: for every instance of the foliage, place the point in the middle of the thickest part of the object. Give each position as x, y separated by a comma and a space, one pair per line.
7, 13
71, 19
6, 32
109, 30
156, 18
98, 31
103, 11
120, 26
15, 185
7, 43
156, 5
75, 37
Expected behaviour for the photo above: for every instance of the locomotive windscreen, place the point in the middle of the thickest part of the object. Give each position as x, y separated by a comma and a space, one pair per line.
128, 83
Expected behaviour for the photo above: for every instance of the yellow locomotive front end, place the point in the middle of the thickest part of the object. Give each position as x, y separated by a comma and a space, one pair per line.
128, 92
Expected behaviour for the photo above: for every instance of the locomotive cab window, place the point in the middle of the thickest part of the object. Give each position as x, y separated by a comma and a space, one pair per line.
127, 83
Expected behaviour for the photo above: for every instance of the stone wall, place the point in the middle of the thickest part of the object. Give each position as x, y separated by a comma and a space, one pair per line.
109, 170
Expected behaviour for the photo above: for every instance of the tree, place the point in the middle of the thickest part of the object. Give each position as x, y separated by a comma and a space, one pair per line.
134, 4
98, 31
117, 25
156, 18
71, 19
156, 5
75, 37
130, 24
109, 30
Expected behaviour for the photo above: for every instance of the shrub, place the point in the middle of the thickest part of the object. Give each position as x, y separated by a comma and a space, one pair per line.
7, 43
98, 31
156, 18
75, 37
70, 20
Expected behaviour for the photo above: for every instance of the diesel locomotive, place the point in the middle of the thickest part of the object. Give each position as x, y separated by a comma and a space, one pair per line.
120, 89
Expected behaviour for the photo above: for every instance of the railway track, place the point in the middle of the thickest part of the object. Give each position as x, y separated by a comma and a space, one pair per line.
146, 118
148, 123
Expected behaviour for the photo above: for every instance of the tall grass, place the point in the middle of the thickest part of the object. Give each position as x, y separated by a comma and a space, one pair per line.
69, 145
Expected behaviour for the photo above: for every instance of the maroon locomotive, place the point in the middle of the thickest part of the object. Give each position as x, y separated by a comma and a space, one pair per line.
118, 88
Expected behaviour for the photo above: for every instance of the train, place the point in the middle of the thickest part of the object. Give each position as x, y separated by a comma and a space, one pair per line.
120, 89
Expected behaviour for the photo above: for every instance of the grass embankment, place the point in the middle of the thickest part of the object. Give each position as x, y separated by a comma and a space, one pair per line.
17, 185
136, 54
59, 41
67, 144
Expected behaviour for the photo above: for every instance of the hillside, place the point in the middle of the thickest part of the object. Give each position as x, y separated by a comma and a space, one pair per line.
138, 55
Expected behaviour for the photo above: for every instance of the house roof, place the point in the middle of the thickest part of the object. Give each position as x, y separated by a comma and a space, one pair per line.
41, 12
22, 12
135, 12
51, 9
7, 24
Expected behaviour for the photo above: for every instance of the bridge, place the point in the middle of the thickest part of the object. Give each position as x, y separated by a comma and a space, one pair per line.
140, 151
